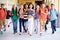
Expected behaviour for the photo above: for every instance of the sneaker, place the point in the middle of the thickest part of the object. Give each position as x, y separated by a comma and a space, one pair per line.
55, 29
20, 33
40, 33
15, 32
1, 32
8, 25
4, 29
53, 32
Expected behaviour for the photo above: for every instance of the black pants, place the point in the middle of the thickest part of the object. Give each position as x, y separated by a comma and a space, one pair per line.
46, 24
53, 25
21, 22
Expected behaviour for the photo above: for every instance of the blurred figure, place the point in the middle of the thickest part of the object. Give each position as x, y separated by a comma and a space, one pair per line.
43, 17
2, 18
30, 19
8, 18
36, 18
14, 18
47, 17
53, 17
26, 16
21, 19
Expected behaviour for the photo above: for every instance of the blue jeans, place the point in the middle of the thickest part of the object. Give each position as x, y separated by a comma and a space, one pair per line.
15, 25
21, 22
53, 25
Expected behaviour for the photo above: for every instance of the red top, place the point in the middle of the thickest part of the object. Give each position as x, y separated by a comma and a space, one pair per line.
43, 13
2, 14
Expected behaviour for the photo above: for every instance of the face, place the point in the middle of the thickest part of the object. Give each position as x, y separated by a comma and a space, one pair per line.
2, 6
37, 7
43, 5
21, 6
31, 6
14, 6
52, 6
26, 6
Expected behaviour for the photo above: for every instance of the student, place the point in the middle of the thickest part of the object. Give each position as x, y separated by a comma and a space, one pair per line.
30, 19
43, 17
36, 18
47, 18
53, 18
26, 16
8, 17
14, 18
21, 19
2, 18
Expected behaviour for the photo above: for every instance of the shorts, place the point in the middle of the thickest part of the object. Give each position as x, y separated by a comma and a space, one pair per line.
42, 23
2, 22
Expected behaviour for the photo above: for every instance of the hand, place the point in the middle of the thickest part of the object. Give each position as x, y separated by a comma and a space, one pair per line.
12, 14
17, 14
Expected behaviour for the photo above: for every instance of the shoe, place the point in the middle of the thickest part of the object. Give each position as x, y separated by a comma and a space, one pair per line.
55, 29
1, 32
30, 34
45, 29
53, 32
4, 30
14, 32
40, 33
20, 33
8, 25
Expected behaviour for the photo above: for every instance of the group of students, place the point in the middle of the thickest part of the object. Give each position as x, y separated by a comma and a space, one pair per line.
29, 18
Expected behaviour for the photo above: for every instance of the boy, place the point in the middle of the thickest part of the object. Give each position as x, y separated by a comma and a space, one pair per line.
53, 18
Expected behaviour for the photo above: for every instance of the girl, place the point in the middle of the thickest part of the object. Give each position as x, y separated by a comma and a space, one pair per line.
30, 19
36, 18
21, 19
14, 18
43, 17
25, 16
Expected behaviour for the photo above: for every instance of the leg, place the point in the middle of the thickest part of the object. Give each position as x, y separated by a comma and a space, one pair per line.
23, 25
15, 23
14, 26
45, 26
20, 28
52, 23
0, 25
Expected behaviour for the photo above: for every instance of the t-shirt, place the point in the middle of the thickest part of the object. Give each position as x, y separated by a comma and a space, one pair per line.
14, 12
2, 14
53, 14
30, 12
43, 12
36, 15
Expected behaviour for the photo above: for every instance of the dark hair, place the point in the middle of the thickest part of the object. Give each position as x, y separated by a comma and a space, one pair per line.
25, 5
47, 6
52, 4
32, 5
2, 4
36, 8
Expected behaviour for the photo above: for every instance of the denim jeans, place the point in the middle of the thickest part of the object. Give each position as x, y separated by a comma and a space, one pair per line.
21, 22
14, 25
53, 25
